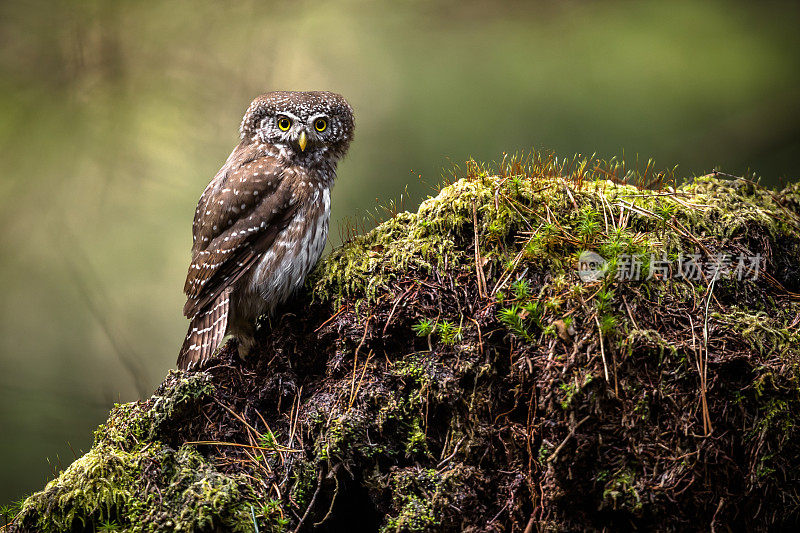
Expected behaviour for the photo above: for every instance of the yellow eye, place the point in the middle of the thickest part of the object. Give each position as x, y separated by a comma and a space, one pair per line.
320, 124
284, 124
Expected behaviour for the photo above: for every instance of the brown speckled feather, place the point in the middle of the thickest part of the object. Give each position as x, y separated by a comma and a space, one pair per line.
244, 212
239, 215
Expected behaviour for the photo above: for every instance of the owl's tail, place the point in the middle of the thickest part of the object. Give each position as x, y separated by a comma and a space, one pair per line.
206, 332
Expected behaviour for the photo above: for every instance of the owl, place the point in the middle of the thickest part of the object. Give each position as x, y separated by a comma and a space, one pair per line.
261, 224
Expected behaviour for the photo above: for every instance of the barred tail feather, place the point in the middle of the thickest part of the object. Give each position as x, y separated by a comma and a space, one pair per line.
206, 332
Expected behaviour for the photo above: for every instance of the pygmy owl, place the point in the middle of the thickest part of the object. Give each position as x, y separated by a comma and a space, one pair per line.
261, 224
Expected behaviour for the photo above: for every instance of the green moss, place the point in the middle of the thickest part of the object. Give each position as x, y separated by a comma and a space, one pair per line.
620, 491
415, 367
733, 207
421, 240
416, 514
98, 486
109, 485
419, 497
127, 426
131, 424
572, 389
416, 443
649, 338
764, 332
199, 498
130, 481
544, 207
304, 478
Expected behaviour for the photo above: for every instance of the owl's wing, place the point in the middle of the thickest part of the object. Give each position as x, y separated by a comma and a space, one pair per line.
215, 211
238, 220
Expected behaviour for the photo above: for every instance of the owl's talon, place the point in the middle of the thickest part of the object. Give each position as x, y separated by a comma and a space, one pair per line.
246, 348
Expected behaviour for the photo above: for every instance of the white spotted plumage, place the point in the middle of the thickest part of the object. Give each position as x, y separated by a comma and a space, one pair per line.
274, 281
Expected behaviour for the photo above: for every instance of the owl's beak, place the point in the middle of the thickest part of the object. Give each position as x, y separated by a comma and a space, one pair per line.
302, 141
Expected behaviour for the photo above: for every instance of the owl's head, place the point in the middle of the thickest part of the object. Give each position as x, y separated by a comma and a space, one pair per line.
310, 127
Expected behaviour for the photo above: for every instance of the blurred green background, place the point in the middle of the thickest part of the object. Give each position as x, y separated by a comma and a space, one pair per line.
114, 116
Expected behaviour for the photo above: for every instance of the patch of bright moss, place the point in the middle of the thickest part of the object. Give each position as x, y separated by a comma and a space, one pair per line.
131, 482
132, 424
620, 491
545, 210
419, 498
764, 332
108, 485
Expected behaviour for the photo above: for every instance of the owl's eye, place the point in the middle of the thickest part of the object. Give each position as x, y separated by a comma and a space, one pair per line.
284, 124
320, 124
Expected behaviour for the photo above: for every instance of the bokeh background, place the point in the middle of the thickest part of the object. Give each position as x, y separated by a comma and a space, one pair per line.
114, 116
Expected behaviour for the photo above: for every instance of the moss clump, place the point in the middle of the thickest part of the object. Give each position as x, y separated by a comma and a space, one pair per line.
419, 496
131, 481
131, 424
768, 334
97, 487
451, 370
432, 238
154, 488
620, 492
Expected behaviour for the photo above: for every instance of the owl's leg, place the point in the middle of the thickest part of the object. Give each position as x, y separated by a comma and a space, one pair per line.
247, 344
245, 333
241, 324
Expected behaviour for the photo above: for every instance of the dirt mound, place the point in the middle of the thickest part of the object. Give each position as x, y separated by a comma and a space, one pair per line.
453, 370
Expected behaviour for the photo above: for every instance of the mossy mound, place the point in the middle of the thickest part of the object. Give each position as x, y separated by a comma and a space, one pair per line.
451, 371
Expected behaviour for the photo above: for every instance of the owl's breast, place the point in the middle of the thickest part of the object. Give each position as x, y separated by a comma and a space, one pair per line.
284, 267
